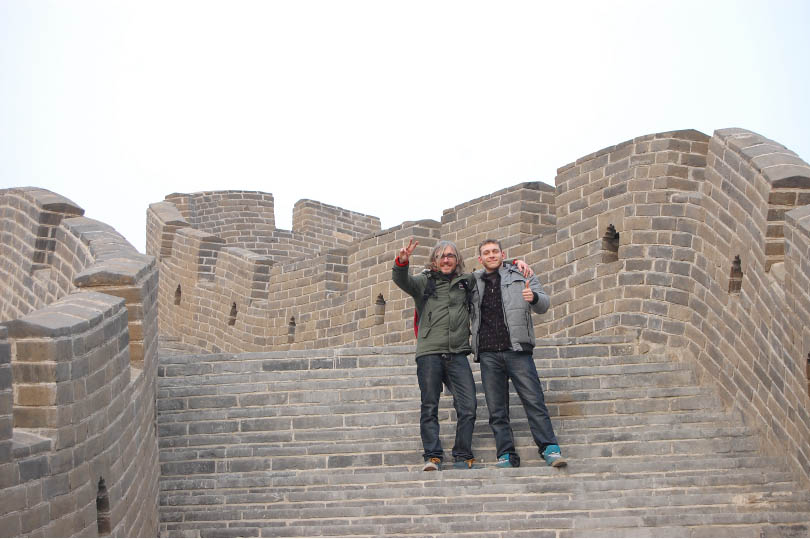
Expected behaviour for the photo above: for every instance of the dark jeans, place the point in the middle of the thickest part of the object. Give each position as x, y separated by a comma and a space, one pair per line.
496, 370
433, 371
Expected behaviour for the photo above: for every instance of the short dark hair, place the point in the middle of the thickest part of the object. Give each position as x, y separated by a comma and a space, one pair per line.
489, 240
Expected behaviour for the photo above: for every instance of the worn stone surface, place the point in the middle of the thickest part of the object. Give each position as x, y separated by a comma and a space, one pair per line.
683, 254
78, 364
650, 451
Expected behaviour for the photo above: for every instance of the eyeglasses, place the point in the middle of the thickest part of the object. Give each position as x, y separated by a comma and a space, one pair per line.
449, 256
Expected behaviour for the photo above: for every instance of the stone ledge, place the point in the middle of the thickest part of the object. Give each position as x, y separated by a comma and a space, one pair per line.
27, 444
70, 315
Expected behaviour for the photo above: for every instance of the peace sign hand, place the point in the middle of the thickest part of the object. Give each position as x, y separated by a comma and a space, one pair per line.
405, 252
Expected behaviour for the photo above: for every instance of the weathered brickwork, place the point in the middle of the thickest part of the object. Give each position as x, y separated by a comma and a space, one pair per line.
516, 216
78, 367
223, 298
29, 217
753, 344
690, 243
684, 207
335, 226
686, 257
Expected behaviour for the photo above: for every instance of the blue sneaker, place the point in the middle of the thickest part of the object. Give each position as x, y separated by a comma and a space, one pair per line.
553, 456
468, 464
433, 464
504, 462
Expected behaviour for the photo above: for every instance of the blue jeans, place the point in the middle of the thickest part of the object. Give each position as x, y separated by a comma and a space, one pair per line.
497, 368
433, 371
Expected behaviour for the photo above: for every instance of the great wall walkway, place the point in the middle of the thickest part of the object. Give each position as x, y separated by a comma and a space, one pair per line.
326, 442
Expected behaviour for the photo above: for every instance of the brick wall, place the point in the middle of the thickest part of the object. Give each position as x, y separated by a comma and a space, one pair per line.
77, 376
686, 242
753, 342
516, 216
227, 214
228, 298
6, 399
686, 210
27, 280
333, 224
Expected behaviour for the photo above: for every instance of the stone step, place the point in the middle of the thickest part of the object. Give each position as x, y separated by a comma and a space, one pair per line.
560, 403
327, 430
291, 456
749, 488
336, 391
221, 363
632, 502
622, 504
284, 375
578, 514
594, 353
482, 435
272, 431
698, 470
326, 442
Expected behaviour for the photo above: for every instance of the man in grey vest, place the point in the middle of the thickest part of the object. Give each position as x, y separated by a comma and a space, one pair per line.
502, 341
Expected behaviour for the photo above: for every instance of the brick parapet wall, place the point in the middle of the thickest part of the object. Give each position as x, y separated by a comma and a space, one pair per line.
638, 240
226, 213
81, 413
105, 262
639, 190
752, 342
246, 219
684, 208
29, 217
78, 408
6, 398
325, 300
163, 220
515, 216
336, 225
370, 281
285, 246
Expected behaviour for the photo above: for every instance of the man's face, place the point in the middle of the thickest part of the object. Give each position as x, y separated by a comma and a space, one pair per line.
447, 262
491, 256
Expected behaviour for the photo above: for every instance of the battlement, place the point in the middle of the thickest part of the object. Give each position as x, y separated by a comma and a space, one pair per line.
78, 364
685, 241
677, 246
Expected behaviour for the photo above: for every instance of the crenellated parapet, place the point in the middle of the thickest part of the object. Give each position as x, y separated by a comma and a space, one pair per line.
78, 367
623, 213
516, 216
687, 243
30, 218
335, 226
698, 246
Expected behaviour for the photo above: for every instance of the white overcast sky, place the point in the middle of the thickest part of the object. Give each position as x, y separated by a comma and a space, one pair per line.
393, 109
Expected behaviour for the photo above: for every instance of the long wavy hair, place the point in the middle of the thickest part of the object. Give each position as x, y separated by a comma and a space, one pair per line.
438, 251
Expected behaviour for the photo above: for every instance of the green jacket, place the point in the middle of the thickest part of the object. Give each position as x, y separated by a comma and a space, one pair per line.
444, 318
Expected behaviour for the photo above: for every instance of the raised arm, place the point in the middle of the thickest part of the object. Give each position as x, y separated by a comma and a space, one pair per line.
401, 274
405, 253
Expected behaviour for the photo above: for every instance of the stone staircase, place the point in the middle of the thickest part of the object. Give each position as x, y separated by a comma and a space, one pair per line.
326, 442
